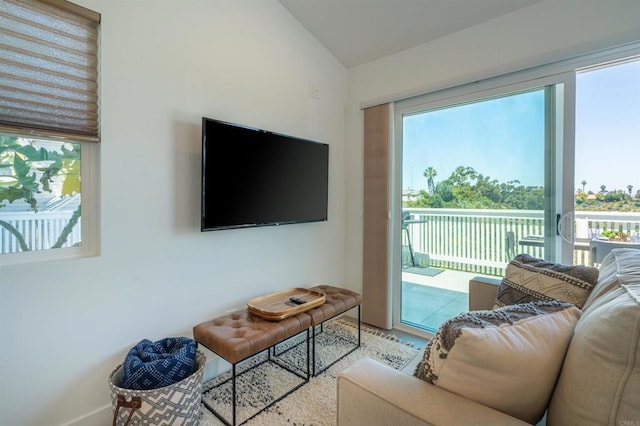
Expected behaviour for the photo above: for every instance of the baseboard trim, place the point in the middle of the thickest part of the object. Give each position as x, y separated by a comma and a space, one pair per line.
100, 416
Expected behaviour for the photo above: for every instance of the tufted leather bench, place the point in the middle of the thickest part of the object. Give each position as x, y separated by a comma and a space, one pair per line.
337, 301
240, 335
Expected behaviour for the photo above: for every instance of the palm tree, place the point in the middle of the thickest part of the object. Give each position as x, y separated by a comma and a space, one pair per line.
583, 183
603, 189
430, 173
629, 187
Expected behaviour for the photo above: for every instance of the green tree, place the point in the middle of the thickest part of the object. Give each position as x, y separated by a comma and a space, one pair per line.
467, 188
612, 196
26, 171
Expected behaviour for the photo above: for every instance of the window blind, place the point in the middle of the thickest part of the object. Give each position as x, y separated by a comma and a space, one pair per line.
49, 69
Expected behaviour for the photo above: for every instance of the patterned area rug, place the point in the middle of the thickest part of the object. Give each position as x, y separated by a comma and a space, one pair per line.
314, 404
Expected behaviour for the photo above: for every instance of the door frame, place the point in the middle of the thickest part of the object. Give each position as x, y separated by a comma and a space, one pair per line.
558, 158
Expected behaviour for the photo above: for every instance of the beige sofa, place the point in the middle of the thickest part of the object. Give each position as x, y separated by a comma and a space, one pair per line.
599, 383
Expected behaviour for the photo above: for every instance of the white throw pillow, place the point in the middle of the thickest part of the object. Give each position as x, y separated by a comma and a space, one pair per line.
507, 359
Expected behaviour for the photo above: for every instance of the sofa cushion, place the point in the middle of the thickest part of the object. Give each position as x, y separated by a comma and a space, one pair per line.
507, 359
600, 379
621, 267
528, 279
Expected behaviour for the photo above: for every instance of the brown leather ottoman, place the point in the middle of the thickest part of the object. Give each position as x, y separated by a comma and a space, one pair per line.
239, 336
337, 301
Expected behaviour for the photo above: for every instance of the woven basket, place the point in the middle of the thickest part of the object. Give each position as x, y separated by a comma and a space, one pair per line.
176, 405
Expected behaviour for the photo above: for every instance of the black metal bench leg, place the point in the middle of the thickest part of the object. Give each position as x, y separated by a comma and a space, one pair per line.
233, 393
358, 325
313, 348
308, 357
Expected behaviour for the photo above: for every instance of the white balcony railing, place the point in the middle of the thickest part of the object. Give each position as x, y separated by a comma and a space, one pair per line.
475, 240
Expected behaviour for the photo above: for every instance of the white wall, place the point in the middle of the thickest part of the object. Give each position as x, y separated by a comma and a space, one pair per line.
65, 325
545, 32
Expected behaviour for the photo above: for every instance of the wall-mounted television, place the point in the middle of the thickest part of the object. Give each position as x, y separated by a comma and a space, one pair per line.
253, 177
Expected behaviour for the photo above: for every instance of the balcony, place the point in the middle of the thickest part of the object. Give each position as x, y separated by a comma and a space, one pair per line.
476, 240
465, 243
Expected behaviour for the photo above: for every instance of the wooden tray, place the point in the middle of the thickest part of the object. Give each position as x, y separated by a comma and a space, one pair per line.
276, 306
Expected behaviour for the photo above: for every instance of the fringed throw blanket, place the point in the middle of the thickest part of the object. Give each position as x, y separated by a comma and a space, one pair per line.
152, 365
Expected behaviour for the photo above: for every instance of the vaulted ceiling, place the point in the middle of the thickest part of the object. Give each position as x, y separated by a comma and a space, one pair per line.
361, 31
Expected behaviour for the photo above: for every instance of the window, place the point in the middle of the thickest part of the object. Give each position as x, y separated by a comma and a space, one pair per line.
40, 191
48, 129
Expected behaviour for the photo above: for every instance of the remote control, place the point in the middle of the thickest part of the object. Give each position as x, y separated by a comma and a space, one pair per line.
297, 300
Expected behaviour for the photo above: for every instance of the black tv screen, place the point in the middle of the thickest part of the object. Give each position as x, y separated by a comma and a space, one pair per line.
252, 177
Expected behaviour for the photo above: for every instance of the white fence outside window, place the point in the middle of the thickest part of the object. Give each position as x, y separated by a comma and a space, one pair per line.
40, 230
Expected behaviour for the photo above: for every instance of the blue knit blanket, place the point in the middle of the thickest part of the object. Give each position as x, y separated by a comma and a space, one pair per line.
152, 365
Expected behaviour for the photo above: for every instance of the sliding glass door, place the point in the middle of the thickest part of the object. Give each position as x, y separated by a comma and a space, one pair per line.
478, 185
521, 164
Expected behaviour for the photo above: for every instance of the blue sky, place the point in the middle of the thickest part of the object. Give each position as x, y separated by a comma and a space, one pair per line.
608, 127
503, 138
